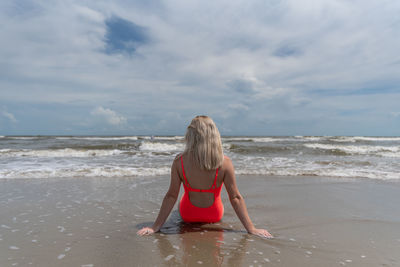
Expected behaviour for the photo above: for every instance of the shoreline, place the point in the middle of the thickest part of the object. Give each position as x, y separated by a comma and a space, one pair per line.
316, 221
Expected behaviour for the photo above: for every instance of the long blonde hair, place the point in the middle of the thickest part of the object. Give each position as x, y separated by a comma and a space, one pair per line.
203, 143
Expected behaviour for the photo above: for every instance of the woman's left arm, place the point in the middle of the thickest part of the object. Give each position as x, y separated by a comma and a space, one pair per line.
168, 203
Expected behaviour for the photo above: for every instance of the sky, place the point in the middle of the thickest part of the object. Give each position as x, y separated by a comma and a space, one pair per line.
262, 67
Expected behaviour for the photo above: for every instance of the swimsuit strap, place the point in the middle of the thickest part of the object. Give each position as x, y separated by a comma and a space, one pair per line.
184, 176
214, 185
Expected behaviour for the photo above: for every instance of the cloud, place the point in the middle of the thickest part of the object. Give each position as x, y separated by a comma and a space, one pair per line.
286, 51
9, 116
395, 114
275, 61
241, 86
110, 116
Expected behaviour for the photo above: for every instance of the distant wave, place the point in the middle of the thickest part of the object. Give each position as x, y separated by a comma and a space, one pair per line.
23, 137
98, 138
82, 171
257, 139
386, 151
58, 153
377, 138
320, 172
283, 166
130, 156
168, 137
352, 139
161, 147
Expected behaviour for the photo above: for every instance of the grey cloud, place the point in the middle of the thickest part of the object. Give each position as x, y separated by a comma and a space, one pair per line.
287, 51
241, 86
268, 56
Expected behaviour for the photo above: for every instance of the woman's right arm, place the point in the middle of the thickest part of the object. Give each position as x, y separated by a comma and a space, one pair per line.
167, 204
237, 201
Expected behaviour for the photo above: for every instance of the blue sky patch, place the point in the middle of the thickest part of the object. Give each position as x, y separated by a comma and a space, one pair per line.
124, 36
286, 51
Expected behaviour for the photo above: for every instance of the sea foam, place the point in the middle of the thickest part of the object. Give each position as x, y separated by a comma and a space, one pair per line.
57, 153
160, 147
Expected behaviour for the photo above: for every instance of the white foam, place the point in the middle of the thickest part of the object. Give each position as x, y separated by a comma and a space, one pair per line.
245, 139
313, 138
353, 139
168, 137
84, 171
161, 147
353, 149
169, 257
98, 138
266, 139
343, 139
281, 166
23, 137
364, 138
59, 153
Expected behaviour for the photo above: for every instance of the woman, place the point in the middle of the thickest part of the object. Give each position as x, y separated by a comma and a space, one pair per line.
203, 168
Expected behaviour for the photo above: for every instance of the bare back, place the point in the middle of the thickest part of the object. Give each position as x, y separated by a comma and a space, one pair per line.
199, 179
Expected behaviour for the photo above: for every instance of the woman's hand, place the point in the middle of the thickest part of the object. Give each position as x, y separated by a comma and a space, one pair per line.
145, 231
261, 232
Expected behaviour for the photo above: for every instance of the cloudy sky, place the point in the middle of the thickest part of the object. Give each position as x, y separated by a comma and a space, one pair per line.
267, 67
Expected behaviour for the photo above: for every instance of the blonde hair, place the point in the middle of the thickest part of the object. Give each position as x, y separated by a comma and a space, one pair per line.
203, 143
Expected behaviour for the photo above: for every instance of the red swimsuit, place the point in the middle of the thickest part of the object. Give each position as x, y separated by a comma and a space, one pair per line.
191, 213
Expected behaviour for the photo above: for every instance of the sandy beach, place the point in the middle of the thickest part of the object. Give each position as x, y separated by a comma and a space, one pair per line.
93, 222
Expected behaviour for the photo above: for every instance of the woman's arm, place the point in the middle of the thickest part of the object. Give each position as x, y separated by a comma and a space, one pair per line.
167, 204
237, 200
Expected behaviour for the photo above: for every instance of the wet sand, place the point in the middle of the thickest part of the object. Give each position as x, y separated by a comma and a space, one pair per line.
93, 222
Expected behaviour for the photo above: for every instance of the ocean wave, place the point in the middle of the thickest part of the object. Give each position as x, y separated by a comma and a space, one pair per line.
24, 137
363, 138
59, 153
266, 149
343, 139
98, 138
257, 139
283, 166
84, 172
168, 138
352, 139
161, 147
236, 139
388, 151
313, 138
319, 172
267, 139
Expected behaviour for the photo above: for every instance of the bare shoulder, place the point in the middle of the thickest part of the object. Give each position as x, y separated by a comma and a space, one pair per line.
176, 161
227, 164
178, 156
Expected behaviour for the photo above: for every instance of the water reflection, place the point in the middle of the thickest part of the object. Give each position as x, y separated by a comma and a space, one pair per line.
182, 244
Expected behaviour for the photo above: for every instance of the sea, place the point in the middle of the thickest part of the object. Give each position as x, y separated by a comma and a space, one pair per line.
140, 156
